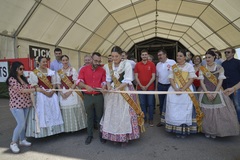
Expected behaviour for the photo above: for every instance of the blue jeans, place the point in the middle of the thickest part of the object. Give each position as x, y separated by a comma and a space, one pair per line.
20, 115
236, 100
147, 100
162, 97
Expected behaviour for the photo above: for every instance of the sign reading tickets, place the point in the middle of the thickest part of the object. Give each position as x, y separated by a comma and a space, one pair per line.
36, 52
3, 71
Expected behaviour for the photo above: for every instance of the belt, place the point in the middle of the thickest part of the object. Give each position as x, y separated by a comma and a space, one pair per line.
93, 94
164, 84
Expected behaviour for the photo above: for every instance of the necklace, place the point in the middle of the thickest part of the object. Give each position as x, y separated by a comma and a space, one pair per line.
211, 67
196, 67
116, 64
66, 68
211, 64
181, 65
43, 70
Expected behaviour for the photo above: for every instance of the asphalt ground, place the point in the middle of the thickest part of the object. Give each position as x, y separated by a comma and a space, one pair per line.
155, 143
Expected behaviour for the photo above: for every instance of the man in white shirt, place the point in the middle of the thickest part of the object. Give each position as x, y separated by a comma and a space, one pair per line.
110, 58
189, 57
125, 57
162, 81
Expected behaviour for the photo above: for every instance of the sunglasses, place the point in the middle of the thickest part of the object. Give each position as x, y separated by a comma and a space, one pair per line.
96, 61
21, 69
227, 52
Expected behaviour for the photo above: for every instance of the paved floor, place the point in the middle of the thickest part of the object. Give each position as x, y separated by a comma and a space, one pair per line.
155, 143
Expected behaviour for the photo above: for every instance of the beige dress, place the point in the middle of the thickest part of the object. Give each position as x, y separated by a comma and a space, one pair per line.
220, 118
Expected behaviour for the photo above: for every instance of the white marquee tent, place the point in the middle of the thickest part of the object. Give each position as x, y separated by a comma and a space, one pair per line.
83, 26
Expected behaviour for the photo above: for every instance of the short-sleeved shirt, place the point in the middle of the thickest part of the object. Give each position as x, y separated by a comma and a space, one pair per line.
18, 99
145, 72
163, 71
232, 72
94, 78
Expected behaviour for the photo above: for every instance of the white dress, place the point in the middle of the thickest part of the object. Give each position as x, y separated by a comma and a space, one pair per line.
117, 121
179, 108
46, 118
72, 108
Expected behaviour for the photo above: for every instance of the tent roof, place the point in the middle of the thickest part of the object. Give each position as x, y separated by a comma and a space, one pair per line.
98, 25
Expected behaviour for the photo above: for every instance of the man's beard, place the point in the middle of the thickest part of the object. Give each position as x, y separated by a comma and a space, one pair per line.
58, 58
95, 65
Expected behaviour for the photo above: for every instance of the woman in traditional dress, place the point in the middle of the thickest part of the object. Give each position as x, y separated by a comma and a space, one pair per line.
220, 118
71, 103
178, 113
45, 119
120, 122
197, 60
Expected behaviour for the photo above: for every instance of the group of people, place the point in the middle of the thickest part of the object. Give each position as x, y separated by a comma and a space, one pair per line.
211, 111
50, 100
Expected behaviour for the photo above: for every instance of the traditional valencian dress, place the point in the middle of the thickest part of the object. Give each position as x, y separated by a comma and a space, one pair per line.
45, 118
179, 114
220, 117
72, 108
119, 122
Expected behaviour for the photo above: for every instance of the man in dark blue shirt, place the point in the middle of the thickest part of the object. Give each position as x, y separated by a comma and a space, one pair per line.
232, 72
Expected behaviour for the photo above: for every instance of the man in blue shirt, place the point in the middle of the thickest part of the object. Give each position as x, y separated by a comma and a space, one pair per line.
232, 72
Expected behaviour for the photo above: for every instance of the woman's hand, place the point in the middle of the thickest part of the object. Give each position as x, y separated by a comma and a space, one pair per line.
38, 89
117, 89
49, 94
210, 96
178, 90
63, 95
68, 94
104, 90
109, 87
214, 95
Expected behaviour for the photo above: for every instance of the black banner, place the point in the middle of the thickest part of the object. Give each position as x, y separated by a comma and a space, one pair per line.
36, 52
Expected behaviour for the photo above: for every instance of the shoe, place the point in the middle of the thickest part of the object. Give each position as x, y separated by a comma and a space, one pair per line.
213, 137
183, 136
103, 140
178, 135
159, 124
25, 143
14, 148
88, 140
207, 135
151, 123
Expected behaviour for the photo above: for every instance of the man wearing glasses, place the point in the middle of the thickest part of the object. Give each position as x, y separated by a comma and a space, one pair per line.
232, 72
93, 79
162, 81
